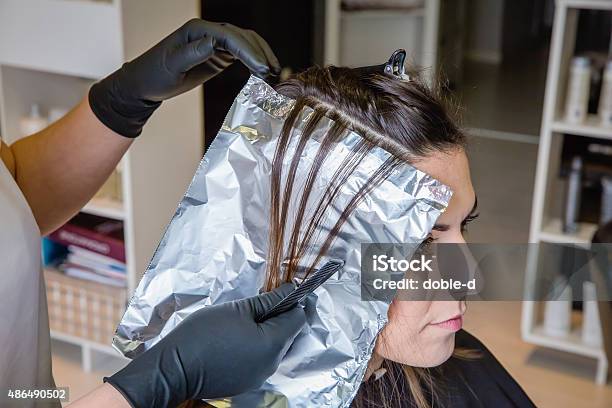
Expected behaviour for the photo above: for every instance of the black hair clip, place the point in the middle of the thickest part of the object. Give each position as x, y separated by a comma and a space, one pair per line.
394, 67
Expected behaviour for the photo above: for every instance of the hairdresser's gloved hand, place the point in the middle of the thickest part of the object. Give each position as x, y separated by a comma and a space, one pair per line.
218, 351
188, 57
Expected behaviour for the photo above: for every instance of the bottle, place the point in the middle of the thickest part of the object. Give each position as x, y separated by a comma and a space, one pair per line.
591, 325
577, 98
557, 313
33, 123
572, 196
605, 98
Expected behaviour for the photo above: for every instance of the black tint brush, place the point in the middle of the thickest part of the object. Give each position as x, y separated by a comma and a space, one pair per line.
306, 288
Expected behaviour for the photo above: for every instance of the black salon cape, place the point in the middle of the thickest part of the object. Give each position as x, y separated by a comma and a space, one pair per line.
479, 382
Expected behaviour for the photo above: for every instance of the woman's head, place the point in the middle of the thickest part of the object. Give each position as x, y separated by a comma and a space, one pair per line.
412, 123
421, 333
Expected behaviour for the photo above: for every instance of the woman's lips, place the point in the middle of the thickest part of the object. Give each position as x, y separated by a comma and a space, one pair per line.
454, 324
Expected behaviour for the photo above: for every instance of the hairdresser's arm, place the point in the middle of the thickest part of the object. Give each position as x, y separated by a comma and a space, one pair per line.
60, 168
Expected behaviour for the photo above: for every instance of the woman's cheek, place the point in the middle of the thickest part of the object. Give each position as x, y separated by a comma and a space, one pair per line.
400, 340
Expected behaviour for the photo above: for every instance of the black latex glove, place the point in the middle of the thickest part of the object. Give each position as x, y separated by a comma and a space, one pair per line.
188, 57
218, 351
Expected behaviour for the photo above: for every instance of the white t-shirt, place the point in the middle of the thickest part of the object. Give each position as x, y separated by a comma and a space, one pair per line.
25, 356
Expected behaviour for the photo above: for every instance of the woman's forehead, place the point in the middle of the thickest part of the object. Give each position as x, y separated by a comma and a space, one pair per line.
452, 169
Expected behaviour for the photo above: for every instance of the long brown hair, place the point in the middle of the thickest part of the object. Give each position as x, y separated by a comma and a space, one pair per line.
408, 119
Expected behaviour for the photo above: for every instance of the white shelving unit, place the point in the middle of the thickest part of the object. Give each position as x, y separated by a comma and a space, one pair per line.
553, 232
51, 51
105, 207
590, 128
545, 225
368, 37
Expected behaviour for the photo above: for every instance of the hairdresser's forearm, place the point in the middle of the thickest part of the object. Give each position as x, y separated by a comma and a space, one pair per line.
105, 396
61, 167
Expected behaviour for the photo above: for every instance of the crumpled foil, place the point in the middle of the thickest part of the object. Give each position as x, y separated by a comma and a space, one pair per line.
214, 250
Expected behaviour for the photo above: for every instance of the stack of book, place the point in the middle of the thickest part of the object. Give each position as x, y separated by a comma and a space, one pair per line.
95, 249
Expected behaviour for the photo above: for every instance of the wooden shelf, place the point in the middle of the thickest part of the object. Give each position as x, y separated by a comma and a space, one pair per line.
591, 127
105, 207
553, 232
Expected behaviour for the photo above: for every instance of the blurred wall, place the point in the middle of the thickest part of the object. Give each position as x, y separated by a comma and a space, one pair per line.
484, 30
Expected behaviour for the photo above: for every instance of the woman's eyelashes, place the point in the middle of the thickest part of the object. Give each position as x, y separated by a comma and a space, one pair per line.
440, 228
427, 242
471, 217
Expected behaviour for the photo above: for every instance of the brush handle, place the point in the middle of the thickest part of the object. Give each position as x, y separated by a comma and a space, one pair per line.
302, 291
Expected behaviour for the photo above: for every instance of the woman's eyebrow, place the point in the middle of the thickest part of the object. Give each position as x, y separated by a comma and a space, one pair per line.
441, 227
446, 227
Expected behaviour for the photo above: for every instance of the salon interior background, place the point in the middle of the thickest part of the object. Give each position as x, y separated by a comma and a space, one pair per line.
496, 56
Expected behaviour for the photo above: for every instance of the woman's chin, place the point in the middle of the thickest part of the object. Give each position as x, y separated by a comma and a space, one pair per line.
442, 356
434, 354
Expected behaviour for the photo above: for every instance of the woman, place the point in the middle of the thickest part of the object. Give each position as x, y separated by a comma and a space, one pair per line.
411, 122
